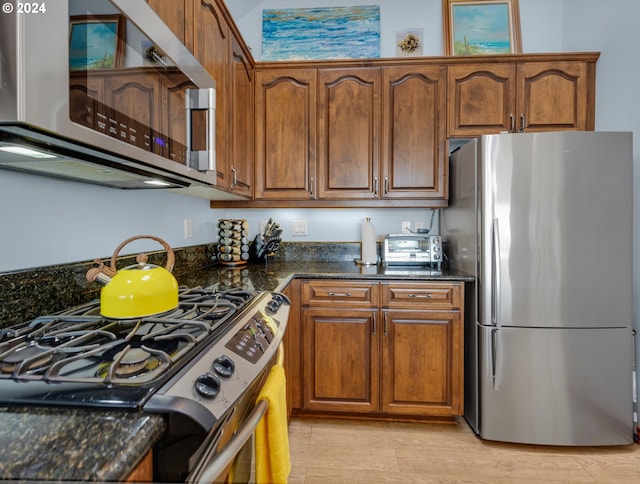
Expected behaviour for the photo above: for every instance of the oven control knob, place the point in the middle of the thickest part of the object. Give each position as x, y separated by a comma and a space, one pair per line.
208, 385
280, 298
224, 366
273, 306
277, 299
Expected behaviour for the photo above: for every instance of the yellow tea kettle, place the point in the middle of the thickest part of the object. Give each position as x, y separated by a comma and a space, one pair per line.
138, 290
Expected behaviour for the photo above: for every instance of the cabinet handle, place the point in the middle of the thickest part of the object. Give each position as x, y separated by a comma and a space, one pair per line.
202, 100
340, 294
385, 324
386, 186
513, 123
312, 186
234, 179
521, 123
375, 187
427, 296
375, 323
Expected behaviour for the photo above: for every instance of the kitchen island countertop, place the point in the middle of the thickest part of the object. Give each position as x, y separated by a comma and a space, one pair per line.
38, 444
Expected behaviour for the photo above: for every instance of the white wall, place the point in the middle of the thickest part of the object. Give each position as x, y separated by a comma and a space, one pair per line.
48, 221
541, 22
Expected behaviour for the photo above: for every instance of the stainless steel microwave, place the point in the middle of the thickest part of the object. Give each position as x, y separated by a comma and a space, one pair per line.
412, 249
103, 92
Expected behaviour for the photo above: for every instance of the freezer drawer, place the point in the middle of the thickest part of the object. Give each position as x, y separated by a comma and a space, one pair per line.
556, 386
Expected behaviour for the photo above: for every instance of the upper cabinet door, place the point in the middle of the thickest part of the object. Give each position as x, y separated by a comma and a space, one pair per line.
212, 48
414, 158
553, 96
285, 136
525, 96
481, 99
348, 133
242, 118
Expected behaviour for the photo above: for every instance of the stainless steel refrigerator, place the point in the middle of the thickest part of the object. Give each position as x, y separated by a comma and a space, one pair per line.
544, 223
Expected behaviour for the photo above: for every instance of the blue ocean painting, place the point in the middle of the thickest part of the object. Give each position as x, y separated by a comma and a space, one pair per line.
92, 45
481, 29
321, 33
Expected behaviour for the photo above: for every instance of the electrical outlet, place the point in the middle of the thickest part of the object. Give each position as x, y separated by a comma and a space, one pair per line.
419, 225
406, 227
299, 227
188, 228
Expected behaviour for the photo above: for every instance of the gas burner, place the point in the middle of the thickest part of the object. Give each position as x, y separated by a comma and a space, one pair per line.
131, 362
25, 358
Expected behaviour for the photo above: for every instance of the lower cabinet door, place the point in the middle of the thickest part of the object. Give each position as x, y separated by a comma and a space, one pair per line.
341, 364
422, 363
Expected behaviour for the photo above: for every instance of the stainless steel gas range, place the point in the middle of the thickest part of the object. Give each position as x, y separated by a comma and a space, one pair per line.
200, 365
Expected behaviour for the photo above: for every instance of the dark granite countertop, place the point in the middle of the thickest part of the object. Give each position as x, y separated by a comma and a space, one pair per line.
92, 445
276, 275
38, 444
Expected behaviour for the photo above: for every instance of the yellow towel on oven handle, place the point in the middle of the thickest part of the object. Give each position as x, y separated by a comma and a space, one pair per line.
273, 462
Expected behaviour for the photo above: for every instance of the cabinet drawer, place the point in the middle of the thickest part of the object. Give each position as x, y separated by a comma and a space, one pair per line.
341, 294
428, 295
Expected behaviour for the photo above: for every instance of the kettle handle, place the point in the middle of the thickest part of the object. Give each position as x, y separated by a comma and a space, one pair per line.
171, 258
104, 273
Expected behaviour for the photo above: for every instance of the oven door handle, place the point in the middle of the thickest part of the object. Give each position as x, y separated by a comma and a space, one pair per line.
223, 459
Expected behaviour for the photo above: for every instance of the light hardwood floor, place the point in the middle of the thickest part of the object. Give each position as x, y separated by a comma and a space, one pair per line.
357, 452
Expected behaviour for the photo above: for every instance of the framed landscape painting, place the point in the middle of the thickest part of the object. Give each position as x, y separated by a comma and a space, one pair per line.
96, 42
481, 27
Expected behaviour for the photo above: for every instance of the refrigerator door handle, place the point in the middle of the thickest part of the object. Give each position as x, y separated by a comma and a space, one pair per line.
495, 274
495, 355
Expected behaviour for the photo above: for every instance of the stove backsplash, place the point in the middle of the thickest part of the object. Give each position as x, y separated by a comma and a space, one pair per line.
27, 294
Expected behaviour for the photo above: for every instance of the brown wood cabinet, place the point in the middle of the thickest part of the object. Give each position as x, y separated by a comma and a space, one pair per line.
348, 133
341, 360
537, 95
212, 47
285, 112
293, 348
422, 335
242, 126
178, 16
379, 136
143, 472
414, 154
382, 348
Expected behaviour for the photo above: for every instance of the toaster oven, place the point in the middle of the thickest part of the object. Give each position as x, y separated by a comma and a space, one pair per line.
412, 249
